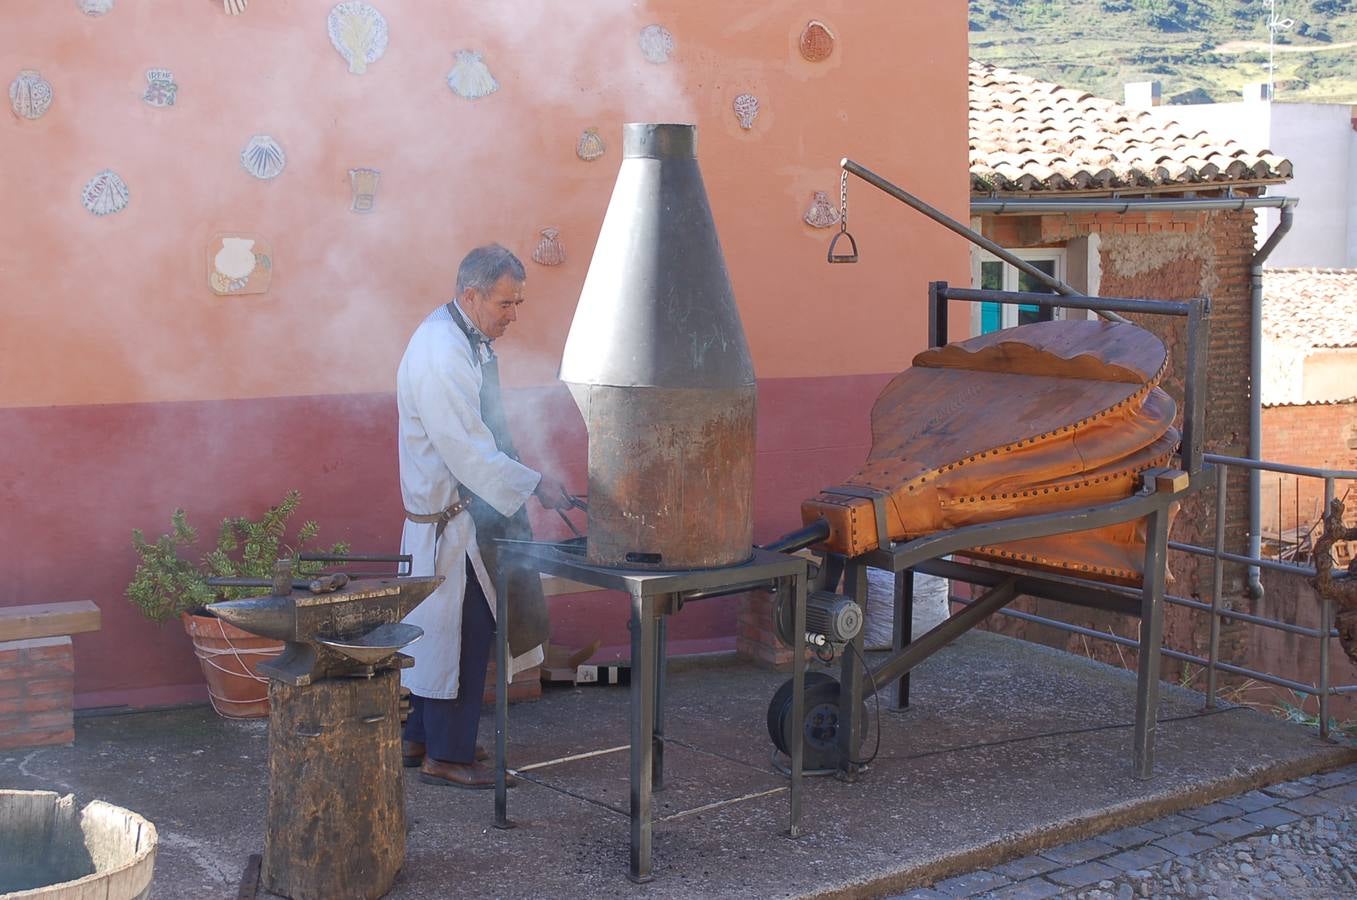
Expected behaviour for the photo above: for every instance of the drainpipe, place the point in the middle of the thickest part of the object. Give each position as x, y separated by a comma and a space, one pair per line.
1256, 394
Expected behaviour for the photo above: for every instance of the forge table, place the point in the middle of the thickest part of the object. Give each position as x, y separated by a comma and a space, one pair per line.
654, 595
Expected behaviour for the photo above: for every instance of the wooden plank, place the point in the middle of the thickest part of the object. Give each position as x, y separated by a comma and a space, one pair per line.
39, 620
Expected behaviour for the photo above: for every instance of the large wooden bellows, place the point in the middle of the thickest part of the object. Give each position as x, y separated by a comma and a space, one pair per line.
1040, 418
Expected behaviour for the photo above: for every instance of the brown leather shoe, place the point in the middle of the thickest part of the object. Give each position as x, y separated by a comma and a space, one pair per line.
412, 753
473, 776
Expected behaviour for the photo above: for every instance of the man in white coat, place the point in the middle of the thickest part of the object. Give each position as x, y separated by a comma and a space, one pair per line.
447, 395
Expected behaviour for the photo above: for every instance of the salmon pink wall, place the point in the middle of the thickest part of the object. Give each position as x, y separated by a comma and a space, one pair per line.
127, 387
117, 309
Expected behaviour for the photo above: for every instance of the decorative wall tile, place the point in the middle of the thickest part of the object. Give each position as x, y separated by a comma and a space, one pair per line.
263, 157
657, 44
549, 250
358, 32
363, 185
30, 94
746, 108
590, 146
470, 77
239, 264
817, 41
105, 193
160, 87
821, 213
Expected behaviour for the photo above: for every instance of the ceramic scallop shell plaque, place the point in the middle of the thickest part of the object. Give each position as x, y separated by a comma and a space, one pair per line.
30, 94
263, 157
590, 146
549, 250
821, 213
657, 44
94, 7
358, 32
105, 193
817, 41
470, 77
746, 108
239, 264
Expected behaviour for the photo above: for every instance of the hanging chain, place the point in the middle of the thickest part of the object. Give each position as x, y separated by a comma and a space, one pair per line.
843, 200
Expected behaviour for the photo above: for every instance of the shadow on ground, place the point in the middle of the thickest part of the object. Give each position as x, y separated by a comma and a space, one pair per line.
1008, 747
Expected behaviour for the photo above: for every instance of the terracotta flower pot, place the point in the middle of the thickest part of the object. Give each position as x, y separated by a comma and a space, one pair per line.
229, 656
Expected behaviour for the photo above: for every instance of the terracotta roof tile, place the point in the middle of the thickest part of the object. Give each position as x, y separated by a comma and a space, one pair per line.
1031, 136
1310, 307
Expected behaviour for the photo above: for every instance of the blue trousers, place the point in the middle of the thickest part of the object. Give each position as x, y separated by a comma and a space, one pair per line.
447, 728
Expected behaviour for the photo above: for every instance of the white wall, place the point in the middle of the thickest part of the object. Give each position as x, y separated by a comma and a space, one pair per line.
1319, 140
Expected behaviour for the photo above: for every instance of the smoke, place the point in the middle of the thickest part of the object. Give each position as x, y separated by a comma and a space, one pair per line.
130, 316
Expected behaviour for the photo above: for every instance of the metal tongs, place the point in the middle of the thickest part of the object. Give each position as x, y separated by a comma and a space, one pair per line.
575, 503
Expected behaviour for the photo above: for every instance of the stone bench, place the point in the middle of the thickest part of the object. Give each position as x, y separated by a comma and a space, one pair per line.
37, 671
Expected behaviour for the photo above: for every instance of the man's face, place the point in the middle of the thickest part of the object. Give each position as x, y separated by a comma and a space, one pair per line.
492, 311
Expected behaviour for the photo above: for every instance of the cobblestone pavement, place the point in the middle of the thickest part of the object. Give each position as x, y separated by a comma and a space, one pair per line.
1294, 839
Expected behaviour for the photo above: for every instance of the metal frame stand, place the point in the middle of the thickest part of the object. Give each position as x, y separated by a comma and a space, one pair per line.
1161, 488
654, 595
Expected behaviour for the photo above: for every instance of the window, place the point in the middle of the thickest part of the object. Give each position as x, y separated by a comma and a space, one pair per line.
993, 274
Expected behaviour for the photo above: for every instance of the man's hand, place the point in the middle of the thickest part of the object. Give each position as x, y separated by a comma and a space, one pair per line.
550, 494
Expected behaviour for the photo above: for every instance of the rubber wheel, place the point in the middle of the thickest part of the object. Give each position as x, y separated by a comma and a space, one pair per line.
780, 707
820, 734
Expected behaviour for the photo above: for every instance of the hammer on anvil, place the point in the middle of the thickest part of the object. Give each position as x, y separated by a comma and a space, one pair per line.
332, 627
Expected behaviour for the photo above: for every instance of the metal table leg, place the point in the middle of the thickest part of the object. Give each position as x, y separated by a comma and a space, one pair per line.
1151, 638
903, 629
501, 702
657, 741
850, 681
642, 733
797, 584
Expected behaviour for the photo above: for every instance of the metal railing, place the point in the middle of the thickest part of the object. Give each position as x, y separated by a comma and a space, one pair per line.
1324, 633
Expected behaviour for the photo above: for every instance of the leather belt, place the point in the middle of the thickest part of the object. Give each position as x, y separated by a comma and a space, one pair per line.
441, 519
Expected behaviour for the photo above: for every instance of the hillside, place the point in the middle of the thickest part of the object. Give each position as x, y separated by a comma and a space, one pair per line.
1199, 50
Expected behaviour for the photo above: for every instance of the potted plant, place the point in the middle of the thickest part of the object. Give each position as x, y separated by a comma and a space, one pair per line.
168, 583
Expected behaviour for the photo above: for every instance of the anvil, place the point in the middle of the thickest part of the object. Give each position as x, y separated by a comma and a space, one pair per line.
350, 631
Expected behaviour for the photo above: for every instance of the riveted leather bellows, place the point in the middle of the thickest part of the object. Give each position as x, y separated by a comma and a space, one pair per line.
1040, 418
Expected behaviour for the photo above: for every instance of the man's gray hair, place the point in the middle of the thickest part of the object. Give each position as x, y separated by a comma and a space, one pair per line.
484, 266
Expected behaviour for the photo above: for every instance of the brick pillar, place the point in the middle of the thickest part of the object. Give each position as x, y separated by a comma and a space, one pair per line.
37, 689
755, 638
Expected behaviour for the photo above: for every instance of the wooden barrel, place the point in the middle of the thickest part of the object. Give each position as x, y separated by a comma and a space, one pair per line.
49, 851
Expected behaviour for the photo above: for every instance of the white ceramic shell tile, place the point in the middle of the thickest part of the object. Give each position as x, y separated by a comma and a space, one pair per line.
821, 213
263, 157
549, 250
470, 77
30, 95
358, 31
94, 7
590, 145
160, 88
746, 108
363, 185
105, 193
657, 44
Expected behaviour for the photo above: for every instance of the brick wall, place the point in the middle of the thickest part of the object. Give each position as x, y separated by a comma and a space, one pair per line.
1321, 436
1171, 256
37, 679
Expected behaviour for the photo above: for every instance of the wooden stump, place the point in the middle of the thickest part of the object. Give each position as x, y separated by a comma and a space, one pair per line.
336, 821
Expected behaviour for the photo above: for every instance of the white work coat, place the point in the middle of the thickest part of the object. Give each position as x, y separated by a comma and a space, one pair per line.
443, 444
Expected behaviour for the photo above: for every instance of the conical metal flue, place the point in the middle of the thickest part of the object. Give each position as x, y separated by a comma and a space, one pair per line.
658, 364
